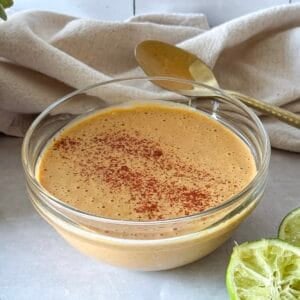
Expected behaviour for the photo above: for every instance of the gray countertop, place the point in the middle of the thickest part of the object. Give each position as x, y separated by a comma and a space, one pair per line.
35, 263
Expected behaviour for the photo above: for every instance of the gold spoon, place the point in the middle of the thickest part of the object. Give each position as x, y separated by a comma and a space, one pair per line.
161, 59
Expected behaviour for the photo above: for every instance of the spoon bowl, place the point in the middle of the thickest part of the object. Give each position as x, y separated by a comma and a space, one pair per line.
155, 56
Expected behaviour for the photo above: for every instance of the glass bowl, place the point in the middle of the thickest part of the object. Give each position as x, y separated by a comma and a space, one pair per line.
146, 245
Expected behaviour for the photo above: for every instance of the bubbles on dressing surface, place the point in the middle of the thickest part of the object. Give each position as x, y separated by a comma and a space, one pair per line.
133, 164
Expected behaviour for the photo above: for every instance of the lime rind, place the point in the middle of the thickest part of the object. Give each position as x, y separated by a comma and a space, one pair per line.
289, 229
264, 269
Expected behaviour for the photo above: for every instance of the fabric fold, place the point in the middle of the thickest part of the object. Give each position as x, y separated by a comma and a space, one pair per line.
44, 55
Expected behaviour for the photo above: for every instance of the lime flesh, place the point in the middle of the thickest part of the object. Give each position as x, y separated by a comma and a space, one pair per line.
289, 229
268, 269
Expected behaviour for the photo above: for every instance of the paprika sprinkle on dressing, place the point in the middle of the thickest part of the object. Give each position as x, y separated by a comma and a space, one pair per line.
145, 162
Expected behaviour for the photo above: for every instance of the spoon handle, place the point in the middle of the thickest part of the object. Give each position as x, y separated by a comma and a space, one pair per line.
269, 109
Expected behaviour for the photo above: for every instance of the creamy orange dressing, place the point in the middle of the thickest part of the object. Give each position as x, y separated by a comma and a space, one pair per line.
145, 162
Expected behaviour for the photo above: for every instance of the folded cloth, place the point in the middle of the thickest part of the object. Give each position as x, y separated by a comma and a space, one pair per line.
45, 55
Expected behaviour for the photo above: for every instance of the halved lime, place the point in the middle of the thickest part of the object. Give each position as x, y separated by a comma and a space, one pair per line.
268, 269
289, 229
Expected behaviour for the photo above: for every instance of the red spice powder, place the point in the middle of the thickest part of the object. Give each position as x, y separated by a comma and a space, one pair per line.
149, 193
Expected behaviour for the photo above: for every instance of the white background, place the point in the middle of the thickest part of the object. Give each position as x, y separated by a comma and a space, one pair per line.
217, 11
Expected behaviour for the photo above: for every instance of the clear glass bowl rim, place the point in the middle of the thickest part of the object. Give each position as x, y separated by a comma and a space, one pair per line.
265, 150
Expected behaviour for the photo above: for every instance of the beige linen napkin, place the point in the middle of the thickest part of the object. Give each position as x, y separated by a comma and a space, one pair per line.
45, 55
